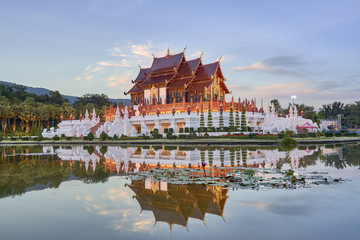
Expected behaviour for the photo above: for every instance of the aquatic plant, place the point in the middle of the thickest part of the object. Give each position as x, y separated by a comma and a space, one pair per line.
238, 177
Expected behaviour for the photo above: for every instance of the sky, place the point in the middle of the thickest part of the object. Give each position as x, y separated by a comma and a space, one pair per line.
270, 49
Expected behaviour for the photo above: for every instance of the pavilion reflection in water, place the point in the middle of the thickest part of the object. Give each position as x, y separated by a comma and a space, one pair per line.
177, 203
131, 160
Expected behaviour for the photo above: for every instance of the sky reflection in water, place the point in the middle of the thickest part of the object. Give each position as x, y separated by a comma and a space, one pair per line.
42, 195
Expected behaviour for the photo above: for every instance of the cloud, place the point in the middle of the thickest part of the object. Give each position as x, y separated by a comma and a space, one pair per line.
89, 77
191, 55
143, 225
255, 66
112, 64
141, 50
114, 81
117, 52
119, 65
95, 70
78, 78
281, 65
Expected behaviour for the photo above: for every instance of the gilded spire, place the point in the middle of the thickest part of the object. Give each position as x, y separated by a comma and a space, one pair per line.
202, 53
168, 51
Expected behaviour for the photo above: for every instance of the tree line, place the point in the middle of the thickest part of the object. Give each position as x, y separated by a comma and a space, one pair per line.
20, 111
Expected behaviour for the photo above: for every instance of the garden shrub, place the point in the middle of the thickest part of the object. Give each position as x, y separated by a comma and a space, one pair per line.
90, 136
281, 135
182, 136
329, 134
56, 138
103, 136
312, 134
211, 129
190, 136
157, 147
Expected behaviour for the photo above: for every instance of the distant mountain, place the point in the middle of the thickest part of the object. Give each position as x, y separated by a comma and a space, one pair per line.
72, 99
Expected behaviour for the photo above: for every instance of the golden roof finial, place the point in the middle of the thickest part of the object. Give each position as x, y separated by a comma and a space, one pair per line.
153, 55
168, 51
220, 58
139, 66
202, 53
184, 49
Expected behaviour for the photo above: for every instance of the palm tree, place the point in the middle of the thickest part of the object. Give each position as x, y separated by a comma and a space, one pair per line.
4, 112
27, 113
15, 110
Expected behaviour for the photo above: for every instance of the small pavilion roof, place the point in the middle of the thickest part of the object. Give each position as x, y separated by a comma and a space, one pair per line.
142, 75
167, 63
306, 125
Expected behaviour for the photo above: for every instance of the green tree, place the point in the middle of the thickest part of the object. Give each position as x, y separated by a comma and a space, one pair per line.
4, 112
243, 119
333, 109
221, 120
277, 106
28, 112
99, 100
202, 120
231, 119
68, 110
237, 119
14, 114
209, 120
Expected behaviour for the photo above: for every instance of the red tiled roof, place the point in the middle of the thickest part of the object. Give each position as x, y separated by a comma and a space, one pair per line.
180, 82
166, 63
206, 71
136, 88
142, 75
157, 79
187, 67
199, 85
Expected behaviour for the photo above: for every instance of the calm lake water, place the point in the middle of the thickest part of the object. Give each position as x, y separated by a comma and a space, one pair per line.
171, 192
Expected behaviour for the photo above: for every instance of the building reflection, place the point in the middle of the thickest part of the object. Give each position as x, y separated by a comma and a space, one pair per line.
131, 160
177, 203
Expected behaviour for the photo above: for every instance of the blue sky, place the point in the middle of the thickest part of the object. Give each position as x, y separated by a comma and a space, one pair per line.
270, 49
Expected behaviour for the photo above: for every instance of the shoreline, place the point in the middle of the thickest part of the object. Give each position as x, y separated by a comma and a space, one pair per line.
254, 142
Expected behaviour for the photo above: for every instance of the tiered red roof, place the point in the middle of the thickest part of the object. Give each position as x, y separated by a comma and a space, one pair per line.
186, 73
136, 88
174, 71
167, 63
142, 75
